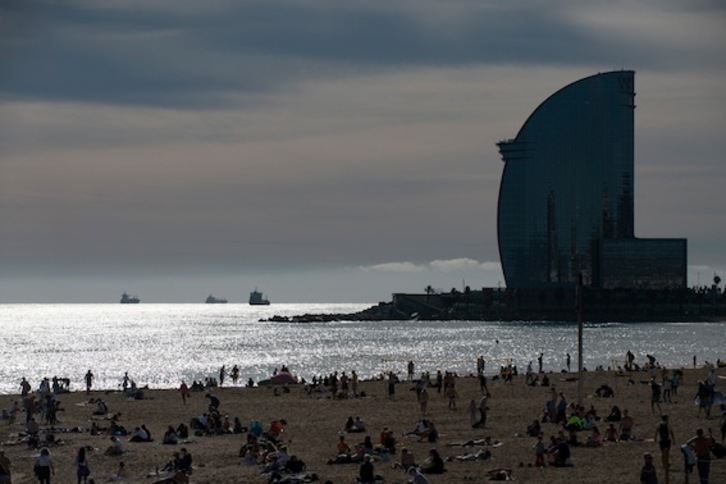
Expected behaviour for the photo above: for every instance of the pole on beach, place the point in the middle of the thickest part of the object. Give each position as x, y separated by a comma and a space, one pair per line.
579, 339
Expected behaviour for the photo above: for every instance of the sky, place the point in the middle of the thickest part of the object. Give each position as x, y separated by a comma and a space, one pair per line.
323, 151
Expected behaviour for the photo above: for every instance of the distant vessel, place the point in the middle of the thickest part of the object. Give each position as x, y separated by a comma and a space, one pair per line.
126, 299
258, 299
213, 300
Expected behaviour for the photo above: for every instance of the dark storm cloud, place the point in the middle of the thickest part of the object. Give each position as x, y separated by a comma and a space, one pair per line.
191, 54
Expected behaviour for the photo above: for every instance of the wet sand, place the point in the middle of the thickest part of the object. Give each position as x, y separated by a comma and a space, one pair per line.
313, 425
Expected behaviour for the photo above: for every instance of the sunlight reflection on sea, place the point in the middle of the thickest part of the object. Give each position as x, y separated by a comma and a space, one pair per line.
160, 344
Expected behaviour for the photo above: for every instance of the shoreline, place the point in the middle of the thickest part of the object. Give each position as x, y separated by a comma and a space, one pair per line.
313, 424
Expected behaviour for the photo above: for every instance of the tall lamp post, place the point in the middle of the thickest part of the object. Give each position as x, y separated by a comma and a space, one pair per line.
580, 289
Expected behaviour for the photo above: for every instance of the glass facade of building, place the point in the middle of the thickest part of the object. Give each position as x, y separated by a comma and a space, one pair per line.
641, 263
568, 184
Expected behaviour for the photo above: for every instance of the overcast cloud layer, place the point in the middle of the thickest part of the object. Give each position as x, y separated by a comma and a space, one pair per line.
322, 150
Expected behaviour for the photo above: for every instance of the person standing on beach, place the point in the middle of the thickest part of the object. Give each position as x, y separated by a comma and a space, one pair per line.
665, 438
44, 466
483, 401
568, 362
221, 376
125, 382
391, 385
702, 447
184, 391
410, 370
423, 400
539, 362
354, 382
82, 470
89, 381
24, 387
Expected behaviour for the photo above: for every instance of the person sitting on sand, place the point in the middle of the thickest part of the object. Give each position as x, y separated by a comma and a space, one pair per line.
605, 391
213, 402
276, 460
182, 431
434, 464
116, 428
343, 452
358, 454
294, 465
559, 453
237, 427
170, 437
407, 460
101, 408
534, 429
429, 434
366, 474
358, 425
349, 424
615, 415
249, 451
184, 464
116, 447
388, 443
139, 435
595, 438
368, 445
626, 426
417, 477
611, 433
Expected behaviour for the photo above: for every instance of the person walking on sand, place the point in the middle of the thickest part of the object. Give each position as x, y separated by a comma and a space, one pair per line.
89, 381
184, 391
221, 376
391, 385
665, 438
44, 466
702, 447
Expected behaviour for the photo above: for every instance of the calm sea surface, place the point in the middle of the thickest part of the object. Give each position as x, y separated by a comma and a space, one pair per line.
160, 344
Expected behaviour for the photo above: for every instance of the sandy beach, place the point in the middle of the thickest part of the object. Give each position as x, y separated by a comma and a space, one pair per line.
313, 424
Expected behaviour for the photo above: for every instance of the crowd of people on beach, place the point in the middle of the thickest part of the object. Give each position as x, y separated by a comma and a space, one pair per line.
568, 424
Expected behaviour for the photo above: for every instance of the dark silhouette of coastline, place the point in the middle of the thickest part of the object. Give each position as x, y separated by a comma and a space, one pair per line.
703, 304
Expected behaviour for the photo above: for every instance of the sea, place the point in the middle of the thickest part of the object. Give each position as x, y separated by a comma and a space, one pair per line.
159, 345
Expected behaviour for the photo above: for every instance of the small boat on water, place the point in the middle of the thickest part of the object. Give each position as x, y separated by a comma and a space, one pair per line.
126, 299
213, 300
258, 299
